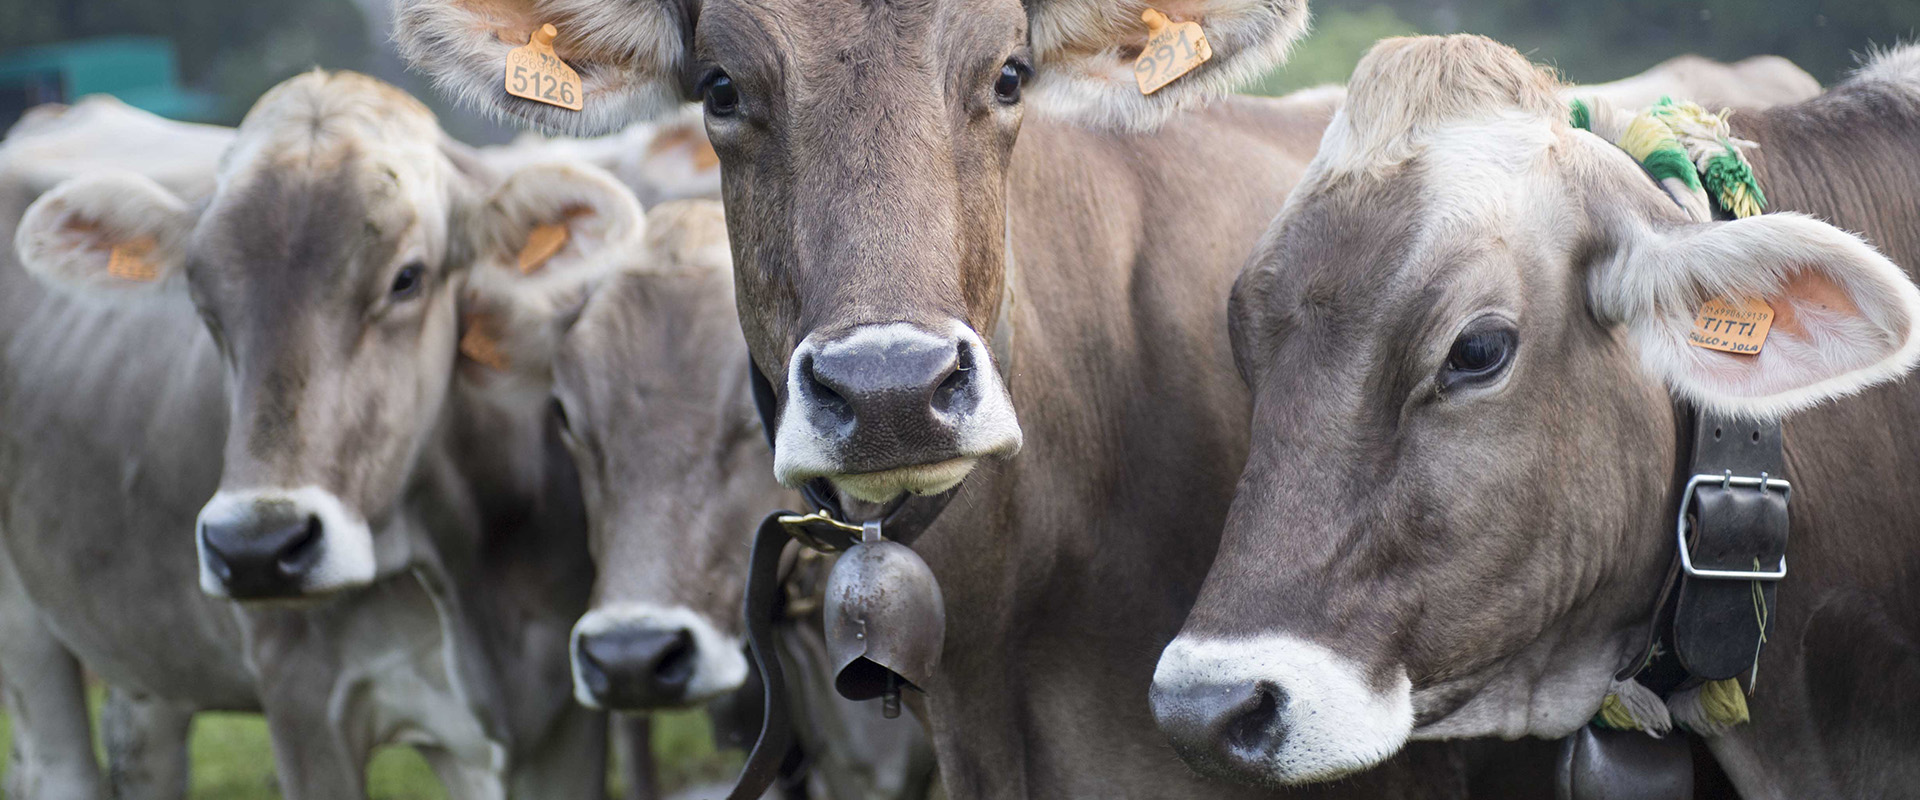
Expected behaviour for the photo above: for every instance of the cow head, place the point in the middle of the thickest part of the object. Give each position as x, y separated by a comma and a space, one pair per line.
865, 152
1464, 334
324, 266
648, 380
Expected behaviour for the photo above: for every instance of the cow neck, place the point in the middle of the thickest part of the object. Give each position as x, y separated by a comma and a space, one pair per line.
1729, 500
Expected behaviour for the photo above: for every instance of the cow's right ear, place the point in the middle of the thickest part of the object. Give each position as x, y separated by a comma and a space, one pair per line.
540, 243
628, 55
105, 236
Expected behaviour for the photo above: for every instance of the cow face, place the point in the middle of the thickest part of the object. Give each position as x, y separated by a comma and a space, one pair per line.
865, 152
324, 266
648, 381
1464, 335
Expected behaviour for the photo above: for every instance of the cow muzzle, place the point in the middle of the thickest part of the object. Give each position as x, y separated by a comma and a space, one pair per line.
891, 409
1276, 709
638, 657
278, 543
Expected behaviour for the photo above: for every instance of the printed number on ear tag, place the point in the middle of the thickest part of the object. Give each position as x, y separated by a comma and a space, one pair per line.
1173, 49
542, 243
129, 262
1732, 326
535, 73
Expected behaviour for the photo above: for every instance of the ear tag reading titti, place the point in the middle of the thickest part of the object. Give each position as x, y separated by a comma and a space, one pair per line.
479, 344
542, 243
1173, 49
1732, 326
535, 73
129, 261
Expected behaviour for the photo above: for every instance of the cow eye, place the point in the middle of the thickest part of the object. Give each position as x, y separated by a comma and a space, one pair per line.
1479, 355
406, 282
720, 96
1007, 88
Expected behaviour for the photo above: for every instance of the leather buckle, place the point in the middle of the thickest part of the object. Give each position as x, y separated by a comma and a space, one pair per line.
1682, 527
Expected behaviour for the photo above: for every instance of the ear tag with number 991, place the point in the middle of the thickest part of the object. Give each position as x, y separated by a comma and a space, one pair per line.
1173, 49
535, 73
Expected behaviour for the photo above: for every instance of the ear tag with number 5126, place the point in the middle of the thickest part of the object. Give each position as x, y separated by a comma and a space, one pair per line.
535, 73
1173, 49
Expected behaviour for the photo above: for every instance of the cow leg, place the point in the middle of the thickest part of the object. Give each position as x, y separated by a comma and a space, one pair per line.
571, 762
311, 760
146, 742
52, 739
463, 779
633, 746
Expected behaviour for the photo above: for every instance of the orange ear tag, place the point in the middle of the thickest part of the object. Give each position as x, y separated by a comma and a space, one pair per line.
542, 243
1732, 326
129, 261
481, 346
1173, 49
535, 73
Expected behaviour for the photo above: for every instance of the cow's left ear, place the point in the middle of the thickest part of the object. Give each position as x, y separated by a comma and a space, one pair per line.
1839, 316
1086, 53
540, 243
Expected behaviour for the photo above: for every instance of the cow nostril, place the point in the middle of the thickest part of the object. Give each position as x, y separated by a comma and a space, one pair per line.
675, 667
949, 391
297, 554
1253, 726
824, 395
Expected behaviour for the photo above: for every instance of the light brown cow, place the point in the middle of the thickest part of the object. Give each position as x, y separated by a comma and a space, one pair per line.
1467, 334
438, 518
892, 208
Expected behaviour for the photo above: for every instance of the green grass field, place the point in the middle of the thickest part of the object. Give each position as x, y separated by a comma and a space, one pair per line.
232, 759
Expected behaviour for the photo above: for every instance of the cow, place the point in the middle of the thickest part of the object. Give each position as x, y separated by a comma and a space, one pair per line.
648, 376
286, 345
1750, 83
1467, 339
894, 217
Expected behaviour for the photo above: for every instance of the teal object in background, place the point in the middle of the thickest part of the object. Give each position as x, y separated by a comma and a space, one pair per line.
140, 70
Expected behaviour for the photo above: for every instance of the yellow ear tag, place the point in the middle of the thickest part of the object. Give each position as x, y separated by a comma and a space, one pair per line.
535, 73
480, 345
1732, 326
542, 243
129, 261
1173, 49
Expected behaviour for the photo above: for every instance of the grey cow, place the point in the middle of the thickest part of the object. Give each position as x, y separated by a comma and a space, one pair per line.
438, 520
1468, 340
648, 376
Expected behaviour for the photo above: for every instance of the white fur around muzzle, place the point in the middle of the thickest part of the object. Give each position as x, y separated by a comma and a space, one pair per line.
346, 542
802, 452
720, 663
1334, 722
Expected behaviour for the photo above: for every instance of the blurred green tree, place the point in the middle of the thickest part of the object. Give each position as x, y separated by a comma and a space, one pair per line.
234, 48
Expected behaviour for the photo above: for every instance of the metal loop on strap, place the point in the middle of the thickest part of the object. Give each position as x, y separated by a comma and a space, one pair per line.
1682, 526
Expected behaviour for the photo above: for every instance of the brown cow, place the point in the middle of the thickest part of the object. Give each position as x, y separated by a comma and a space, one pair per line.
892, 208
1466, 335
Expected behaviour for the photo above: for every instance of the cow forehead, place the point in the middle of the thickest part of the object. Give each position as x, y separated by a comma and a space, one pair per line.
345, 133
835, 46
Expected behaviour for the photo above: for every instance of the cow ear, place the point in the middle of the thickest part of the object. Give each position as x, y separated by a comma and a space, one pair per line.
541, 242
1085, 54
628, 54
109, 236
1843, 317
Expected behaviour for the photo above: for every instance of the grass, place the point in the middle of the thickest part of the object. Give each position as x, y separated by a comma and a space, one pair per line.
232, 759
